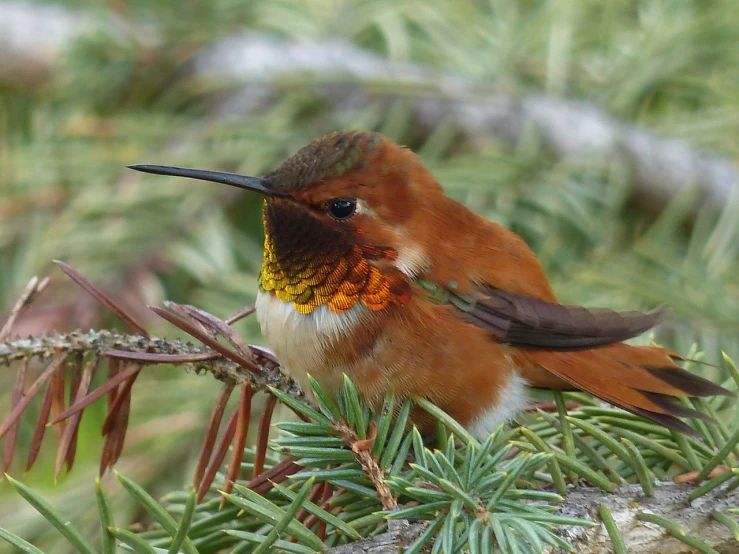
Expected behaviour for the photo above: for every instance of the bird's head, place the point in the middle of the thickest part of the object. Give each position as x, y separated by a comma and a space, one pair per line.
341, 219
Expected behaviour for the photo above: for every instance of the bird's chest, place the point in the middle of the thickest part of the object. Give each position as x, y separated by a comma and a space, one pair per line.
307, 343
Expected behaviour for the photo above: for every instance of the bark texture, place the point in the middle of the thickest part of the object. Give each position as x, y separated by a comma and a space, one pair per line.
669, 501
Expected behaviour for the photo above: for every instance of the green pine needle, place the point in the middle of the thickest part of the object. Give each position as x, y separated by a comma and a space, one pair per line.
73, 535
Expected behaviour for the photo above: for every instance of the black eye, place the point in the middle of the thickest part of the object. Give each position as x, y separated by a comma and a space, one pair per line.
342, 208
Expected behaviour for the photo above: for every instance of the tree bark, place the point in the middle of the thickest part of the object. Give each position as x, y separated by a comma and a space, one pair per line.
669, 501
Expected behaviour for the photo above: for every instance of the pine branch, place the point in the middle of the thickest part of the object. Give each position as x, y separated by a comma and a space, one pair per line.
149, 351
670, 501
254, 368
401, 535
625, 504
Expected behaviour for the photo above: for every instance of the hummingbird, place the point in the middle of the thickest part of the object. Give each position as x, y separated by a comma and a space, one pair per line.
372, 271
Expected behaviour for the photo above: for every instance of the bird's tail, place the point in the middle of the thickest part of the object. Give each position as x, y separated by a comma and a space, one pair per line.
641, 379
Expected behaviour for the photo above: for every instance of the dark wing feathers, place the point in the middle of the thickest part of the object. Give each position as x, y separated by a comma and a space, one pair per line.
642, 380
688, 382
667, 420
529, 322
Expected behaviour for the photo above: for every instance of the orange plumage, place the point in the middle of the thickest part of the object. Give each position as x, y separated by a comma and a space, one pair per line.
370, 270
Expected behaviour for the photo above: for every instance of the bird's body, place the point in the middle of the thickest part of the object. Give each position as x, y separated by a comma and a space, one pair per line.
370, 270
382, 349
460, 368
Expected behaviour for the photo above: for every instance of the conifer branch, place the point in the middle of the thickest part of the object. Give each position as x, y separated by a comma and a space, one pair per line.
150, 351
401, 535
625, 503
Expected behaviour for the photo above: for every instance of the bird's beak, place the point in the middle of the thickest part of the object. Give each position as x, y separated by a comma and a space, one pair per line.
256, 184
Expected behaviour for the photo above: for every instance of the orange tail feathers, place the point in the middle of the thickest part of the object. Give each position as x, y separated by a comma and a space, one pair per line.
641, 379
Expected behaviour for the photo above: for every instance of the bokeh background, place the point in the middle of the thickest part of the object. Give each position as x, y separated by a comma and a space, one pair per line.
605, 133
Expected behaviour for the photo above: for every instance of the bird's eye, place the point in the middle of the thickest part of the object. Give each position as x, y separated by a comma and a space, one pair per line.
342, 208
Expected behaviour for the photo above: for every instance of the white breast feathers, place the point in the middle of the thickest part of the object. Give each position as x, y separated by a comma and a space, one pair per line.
300, 340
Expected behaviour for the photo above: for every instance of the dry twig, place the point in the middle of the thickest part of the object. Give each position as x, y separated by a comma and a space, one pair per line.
33, 288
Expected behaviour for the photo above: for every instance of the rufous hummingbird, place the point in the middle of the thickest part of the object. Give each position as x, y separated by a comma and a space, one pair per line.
370, 270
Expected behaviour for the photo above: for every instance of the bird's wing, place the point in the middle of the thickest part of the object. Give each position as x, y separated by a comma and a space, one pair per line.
528, 322
563, 341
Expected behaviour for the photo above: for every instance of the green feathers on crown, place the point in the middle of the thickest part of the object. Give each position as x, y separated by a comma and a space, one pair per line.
330, 156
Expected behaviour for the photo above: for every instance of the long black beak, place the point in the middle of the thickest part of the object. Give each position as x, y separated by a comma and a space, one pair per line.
256, 184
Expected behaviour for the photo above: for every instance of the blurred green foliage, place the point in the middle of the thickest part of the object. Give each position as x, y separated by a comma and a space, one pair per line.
669, 65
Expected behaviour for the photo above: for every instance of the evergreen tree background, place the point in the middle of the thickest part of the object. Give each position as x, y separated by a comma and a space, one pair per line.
148, 81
